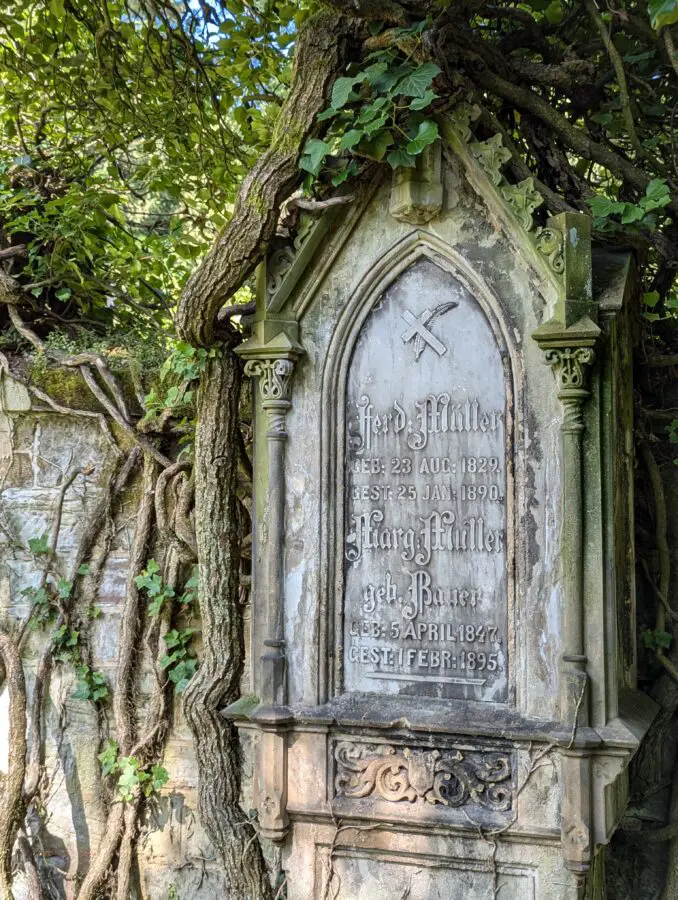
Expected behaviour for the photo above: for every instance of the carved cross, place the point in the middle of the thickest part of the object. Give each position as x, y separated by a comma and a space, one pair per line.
418, 330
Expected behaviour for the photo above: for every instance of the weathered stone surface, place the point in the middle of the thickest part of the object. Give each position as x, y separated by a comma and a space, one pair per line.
425, 591
37, 450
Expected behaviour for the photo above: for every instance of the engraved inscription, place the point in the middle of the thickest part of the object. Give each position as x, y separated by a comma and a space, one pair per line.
425, 540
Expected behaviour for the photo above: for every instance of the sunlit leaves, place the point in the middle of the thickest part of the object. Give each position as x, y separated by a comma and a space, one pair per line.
662, 12
608, 212
122, 147
377, 112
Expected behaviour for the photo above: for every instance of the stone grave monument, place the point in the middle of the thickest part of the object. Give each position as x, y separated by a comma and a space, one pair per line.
442, 644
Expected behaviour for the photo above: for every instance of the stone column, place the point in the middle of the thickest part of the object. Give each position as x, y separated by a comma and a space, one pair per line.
275, 376
570, 353
570, 365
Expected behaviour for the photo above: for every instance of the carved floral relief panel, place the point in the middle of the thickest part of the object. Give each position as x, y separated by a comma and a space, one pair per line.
426, 543
448, 778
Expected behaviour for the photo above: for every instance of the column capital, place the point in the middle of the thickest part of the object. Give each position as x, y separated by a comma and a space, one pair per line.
570, 353
275, 377
272, 363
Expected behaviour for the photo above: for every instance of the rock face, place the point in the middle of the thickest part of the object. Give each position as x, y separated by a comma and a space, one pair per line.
38, 450
443, 590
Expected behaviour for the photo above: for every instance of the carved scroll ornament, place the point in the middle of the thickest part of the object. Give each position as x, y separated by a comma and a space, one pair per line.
275, 376
450, 777
570, 366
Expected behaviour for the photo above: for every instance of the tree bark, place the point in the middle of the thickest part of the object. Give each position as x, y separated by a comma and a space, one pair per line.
217, 681
320, 55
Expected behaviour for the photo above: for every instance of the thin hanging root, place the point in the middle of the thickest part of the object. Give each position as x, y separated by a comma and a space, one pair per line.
122, 820
122, 705
11, 799
33, 768
126, 854
30, 868
98, 869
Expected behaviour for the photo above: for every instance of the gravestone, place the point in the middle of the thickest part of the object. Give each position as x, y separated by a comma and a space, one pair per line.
443, 698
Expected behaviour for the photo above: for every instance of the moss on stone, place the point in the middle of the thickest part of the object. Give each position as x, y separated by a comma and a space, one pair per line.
64, 386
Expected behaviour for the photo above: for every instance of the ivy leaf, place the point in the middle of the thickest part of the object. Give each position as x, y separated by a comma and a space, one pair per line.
327, 114
342, 92
602, 207
401, 158
64, 589
373, 74
39, 545
371, 110
632, 213
554, 12
417, 83
350, 139
83, 569
426, 134
314, 153
109, 757
657, 195
376, 147
159, 777
347, 171
662, 12
422, 102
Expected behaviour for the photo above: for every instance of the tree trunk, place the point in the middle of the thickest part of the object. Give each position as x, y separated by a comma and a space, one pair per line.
217, 681
320, 55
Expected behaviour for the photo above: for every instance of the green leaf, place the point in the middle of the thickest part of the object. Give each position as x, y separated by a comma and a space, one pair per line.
39, 545
83, 569
130, 777
554, 13
327, 114
426, 134
373, 74
602, 118
417, 82
64, 588
350, 139
656, 640
422, 102
313, 156
662, 12
601, 206
657, 195
109, 757
342, 92
400, 157
376, 147
651, 299
632, 213
159, 777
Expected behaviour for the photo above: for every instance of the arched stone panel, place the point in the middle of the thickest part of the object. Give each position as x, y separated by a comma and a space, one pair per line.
419, 452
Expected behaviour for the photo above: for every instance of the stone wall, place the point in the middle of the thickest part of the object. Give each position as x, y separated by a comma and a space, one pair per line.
38, 449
